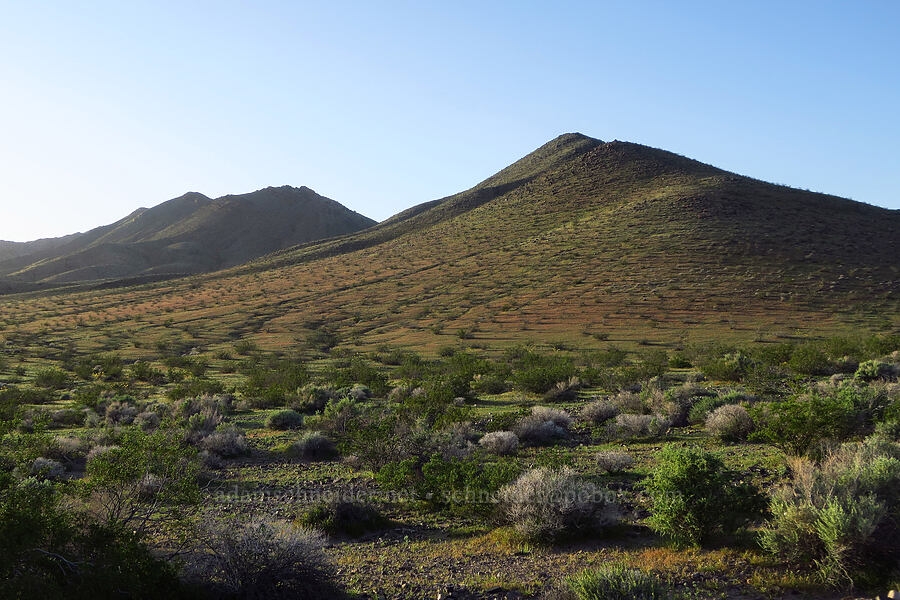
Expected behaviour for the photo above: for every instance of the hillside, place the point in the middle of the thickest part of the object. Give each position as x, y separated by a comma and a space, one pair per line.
189, 234
580, 236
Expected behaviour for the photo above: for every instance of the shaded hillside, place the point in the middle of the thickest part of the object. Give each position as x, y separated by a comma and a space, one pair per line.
578, 237
189, 234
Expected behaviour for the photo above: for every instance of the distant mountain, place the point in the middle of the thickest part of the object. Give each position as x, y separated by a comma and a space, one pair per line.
619, 240
188, 234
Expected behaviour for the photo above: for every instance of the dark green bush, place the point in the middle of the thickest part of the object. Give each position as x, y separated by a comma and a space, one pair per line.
694, 496
802, 424
52, 379
538, 373
344, 518
808, 359
285, 419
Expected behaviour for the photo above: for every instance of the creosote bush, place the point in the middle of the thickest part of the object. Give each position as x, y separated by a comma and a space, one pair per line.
549, 504
695, 496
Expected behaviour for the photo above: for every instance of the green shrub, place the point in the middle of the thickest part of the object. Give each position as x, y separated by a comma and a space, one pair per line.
465, 485
695, 496
840, 514
285, 419
810, 360
548, 504
538, 373
803, 423
730, 367
358, 370
52, 379
875, 369
612, 581
340, 517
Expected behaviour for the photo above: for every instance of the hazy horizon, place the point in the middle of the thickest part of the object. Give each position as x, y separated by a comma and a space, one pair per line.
111, 107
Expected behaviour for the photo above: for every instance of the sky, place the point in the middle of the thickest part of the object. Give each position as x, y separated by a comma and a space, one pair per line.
109, 106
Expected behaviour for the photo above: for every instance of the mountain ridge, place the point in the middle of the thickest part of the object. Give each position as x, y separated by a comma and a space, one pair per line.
187, 234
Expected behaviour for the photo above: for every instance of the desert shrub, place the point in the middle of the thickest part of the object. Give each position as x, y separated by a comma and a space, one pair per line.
313, 445
285, 419
467, 485
889, 430
564, 391
245, 347
359, 371
598, 412
144, 371
201, 424
66, 417
612, 581
312, 398
147, 421
195, 387
871, 370
457, 440
543, 425
489, 384
227, 443
106, 367
808, 359
52, 379
67, 448
704, 405
47, 468
730, 423
261, 559
268, 382
49, 551
342, 517
96, 451
694, 496
121, 411
538, 373
676, 403
628, 402
639, 426
613, 462
548, 504
117, 481
840, 513
500, 442
803, 423
730, 367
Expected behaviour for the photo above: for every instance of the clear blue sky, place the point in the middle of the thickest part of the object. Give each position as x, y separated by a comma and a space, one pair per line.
108, 106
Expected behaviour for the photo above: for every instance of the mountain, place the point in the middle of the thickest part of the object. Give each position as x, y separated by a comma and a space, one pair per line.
581, 236
188, 234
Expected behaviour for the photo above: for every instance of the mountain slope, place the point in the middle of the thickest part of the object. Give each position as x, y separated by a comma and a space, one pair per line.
580, 236
188, 234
